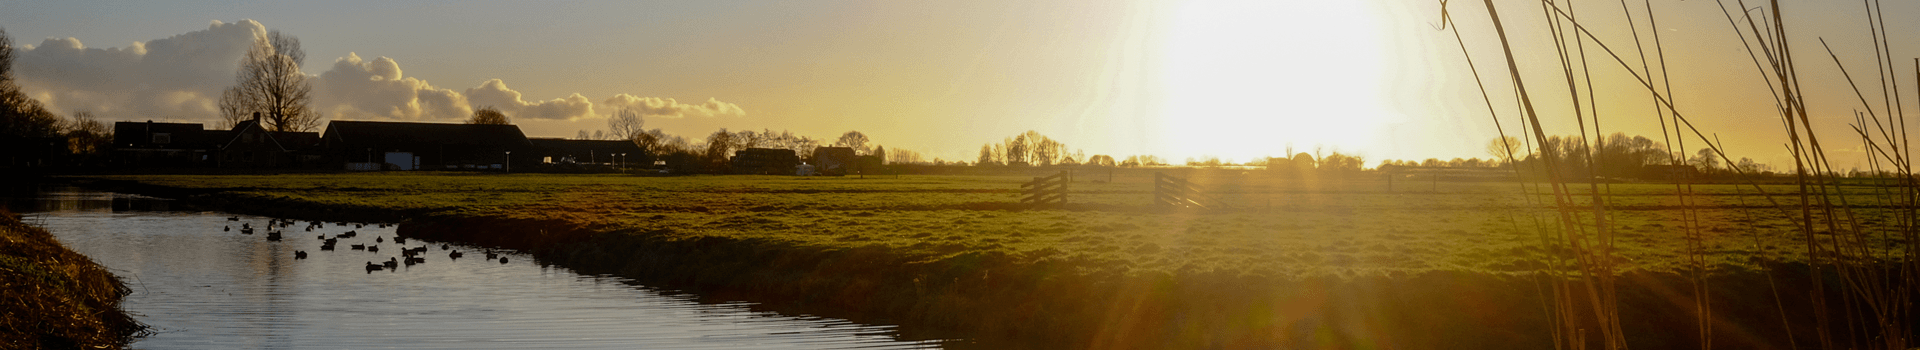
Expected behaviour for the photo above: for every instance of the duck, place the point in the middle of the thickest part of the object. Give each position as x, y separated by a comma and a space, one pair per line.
299, 254
321, 237
326, 247
226, 228
391, 263
503, 260
455, 255
400, 240
373, 248
371, 267
445, 247
357, 247
273, 235
246, 230
411, 261
378, 240
235, 218
491, 255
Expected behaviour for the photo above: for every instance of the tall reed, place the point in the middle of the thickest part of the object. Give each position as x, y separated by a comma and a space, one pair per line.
1872, 262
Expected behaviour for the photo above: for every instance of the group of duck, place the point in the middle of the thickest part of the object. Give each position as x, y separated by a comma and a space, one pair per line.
412, 256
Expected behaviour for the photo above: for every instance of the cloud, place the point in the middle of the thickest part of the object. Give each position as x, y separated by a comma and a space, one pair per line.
360, 89
668, 108
176, 77
494, 92
181, 78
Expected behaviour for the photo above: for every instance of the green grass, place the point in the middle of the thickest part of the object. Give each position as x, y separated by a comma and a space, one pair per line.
1275, 227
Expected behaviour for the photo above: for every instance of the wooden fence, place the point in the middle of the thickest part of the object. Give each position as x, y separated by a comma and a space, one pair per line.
1045, 190
1176, 192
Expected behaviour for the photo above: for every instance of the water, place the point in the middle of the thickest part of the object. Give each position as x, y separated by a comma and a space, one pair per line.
203, 288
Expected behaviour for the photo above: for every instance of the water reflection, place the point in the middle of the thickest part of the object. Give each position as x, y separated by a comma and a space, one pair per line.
205, 287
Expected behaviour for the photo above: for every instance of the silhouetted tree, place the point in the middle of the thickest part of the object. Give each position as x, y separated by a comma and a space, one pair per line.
270, 83
880, 153
492, 116
719, 148
1100, 160
20, 115
987, 156
1337, 162
855, 140
88, 136
626, 123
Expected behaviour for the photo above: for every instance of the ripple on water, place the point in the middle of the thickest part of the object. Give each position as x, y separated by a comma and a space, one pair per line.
203, 287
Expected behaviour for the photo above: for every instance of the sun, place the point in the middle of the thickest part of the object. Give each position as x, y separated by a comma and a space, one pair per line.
1246, 78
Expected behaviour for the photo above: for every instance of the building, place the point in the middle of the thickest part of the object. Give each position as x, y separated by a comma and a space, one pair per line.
833, 160
151, 144
433, 146
250, 145
765, 161
619, 153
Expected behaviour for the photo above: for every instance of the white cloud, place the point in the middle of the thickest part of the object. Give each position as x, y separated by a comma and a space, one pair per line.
668, 108
181, 78
494, 92
166, 78
358, 89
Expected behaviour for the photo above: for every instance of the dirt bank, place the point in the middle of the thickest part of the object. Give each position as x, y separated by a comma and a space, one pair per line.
55, 298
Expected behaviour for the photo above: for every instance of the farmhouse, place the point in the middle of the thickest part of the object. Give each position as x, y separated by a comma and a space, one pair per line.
431, 146
164, 144
833, 160
250, 145
765, 161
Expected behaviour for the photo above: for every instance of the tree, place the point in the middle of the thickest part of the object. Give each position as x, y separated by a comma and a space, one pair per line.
626, 123
85, 135
1100, 160
1706, 160
986, 155
20, 115
271, 86
1505, 148
880, 152
719, 146
492, 116
855, 140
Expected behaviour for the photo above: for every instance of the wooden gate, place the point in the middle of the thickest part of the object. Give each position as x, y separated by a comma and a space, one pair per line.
1176, 192
1045, 190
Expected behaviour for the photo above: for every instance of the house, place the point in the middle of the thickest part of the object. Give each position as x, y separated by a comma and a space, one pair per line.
765, 161
432, 146
610, 152
166, 144
250, 145
833, 160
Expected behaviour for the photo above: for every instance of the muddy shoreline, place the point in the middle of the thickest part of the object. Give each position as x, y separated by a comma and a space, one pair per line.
1023, 301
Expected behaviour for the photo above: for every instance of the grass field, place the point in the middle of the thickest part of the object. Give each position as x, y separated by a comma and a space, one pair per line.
1287, 263
1273, 226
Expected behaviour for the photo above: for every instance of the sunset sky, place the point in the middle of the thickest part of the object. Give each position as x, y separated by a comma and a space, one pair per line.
1178, 79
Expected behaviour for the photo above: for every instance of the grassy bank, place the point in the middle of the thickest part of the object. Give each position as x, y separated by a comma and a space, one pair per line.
56, 298
1288, 263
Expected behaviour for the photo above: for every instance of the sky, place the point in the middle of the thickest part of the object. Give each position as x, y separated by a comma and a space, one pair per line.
1236, 79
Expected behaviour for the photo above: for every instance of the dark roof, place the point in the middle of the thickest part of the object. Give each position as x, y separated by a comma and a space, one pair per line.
141, 133
388, 134
582, 146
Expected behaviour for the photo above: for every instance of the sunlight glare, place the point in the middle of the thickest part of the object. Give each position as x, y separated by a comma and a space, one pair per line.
1245, 78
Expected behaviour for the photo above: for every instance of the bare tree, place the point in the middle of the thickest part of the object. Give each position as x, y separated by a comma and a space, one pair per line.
493, 116
86, 135
853, 139
270, 84
20, 115
626, 123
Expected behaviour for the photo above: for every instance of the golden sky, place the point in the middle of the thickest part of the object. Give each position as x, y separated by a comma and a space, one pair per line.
1236, 79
